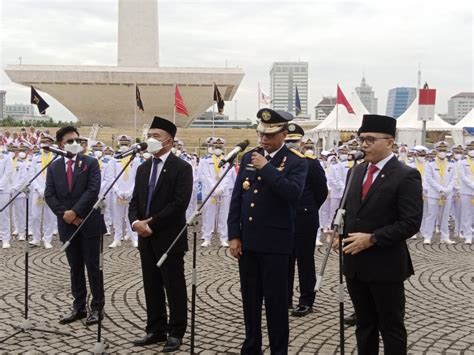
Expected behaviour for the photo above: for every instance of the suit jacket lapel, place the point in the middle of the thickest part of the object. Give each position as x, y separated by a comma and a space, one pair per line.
380, 178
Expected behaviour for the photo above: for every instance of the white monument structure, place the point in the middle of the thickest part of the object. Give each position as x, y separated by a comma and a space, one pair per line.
106, 94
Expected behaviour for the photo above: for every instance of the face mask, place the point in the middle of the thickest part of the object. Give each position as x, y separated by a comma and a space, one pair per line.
403, 155
292, 145
123, 148
458, 156
420, 159
174, 150
217, 151
210, 150
343, 157
441, 155
146, 155
73, 148
22, 155
179, 152
154, 145
471, 153
98, 154
309, 153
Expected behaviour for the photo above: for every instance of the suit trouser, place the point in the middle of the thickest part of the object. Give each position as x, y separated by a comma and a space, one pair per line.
379, 307
303, 255
84, 250
170, 278
4, 218
264, 276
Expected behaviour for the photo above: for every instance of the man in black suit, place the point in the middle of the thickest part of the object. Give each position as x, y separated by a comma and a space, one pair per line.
163, 188
72, 189
384, 208
306, 225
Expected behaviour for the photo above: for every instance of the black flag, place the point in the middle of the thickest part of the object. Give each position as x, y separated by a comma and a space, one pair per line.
218, 98
37, 100
139, 99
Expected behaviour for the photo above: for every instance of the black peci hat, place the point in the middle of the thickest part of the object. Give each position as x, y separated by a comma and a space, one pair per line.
378, 124
165, 125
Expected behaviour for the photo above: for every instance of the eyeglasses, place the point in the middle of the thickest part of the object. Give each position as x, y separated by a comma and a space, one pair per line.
370, 140
71, 141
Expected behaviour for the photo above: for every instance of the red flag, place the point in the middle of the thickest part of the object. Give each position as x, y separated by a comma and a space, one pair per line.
341, 99
179, 103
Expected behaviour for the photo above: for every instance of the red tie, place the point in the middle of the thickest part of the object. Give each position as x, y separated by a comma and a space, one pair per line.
69, 174
370, 179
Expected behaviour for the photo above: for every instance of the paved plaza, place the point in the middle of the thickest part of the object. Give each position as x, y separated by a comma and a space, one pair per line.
439, 314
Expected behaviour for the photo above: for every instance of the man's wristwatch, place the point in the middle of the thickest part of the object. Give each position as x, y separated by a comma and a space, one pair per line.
373, 239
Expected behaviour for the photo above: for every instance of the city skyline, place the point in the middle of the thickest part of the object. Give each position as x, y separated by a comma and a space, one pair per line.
326, 35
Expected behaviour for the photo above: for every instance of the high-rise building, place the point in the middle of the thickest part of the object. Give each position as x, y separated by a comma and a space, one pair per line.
367, 96
3, 106
459, 105
20, 110
284, 78
398, 100
324, 107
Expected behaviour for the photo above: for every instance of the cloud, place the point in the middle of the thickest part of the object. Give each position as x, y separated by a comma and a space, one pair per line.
340, 40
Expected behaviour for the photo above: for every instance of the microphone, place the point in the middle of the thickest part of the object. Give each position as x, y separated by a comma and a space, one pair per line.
356, 155
133, 150
233, 153
57, 151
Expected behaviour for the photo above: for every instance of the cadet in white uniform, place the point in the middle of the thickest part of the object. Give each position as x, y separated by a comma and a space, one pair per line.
457, 157
419, 163
466, 177
6, 171
440, 175
122, 193
217, 208
107, 157
44, 220
180, 151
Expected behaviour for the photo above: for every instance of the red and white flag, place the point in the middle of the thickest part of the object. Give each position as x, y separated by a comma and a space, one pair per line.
341, 99
263, 97
426, 104
179, 103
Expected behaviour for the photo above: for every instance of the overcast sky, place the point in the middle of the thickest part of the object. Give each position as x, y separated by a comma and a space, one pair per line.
384, 39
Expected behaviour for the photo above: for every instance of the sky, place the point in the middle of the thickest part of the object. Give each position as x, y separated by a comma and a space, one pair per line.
384, 40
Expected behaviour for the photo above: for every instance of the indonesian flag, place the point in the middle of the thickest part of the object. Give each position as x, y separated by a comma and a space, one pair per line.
179, 103
426, 103
264, 98
341, 99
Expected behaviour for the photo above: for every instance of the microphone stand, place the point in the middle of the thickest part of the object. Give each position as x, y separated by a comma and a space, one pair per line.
338, 229
26, 326
100, 346
192, 221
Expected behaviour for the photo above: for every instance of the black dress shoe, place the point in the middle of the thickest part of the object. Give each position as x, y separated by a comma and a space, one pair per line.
73, 316
150, 338
350, 319
94, 317
301, 310
172, 344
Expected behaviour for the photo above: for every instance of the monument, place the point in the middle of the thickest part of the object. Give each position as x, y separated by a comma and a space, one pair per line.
106, 94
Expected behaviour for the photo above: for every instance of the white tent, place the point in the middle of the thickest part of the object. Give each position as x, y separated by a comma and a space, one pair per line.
460, 133
409, 128
339, 120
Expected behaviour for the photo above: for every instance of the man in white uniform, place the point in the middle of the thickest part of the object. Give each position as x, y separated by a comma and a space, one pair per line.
466, 176
6, 171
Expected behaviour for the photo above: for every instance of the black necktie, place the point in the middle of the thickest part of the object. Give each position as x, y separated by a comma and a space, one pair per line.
151, 184
268, 157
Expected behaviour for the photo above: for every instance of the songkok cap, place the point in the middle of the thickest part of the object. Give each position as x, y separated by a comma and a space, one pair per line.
165, 125
378, 124
272, 121
295, 132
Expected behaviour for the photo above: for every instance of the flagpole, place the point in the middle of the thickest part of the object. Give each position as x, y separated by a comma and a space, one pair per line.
337, 116
174, 105
258, 94
135, 114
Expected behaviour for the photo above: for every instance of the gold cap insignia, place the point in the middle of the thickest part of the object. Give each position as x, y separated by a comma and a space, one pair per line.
266, 115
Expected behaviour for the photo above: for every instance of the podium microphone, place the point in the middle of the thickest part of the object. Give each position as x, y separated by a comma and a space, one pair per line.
233, 153
356, 155
57, 151
133, 150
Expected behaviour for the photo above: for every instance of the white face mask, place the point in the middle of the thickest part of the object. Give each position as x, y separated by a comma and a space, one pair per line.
343, 157
146, 155
73, 148
471, 153
154, 145
98, 154
420, 159
210, 150
179, 152
123, 148
22, 155
309, 152
174, 150
458, 156
292, 145
441, 155
217, 151
402, 155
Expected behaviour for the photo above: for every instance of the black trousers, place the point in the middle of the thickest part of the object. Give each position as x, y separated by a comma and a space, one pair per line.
303, 256
83, 251
156, 280
265, 276
379, 307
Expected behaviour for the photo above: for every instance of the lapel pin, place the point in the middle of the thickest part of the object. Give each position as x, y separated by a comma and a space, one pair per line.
164, 170
382, 176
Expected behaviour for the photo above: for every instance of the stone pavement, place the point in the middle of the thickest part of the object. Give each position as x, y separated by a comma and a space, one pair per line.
439, 314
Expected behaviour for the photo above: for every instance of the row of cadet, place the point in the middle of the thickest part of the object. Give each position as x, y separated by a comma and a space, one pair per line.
447, 181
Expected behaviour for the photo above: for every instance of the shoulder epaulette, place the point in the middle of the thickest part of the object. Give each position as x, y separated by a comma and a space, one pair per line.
298, 153
310, 157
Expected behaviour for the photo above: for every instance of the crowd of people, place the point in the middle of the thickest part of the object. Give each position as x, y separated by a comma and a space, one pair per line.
446, 172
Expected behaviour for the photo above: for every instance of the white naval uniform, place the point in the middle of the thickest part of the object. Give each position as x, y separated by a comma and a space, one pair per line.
19, 179
104, 185
335, 176
456, 201
466, 177
6, 171
217, 207
324, 210
421, 167
439, 180
193, 201
44, 221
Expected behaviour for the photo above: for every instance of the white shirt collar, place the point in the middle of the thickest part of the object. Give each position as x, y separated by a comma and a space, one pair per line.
163, 157
384, 161
275, 152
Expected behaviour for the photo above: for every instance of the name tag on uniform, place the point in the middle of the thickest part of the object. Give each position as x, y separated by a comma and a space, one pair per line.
250, 167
